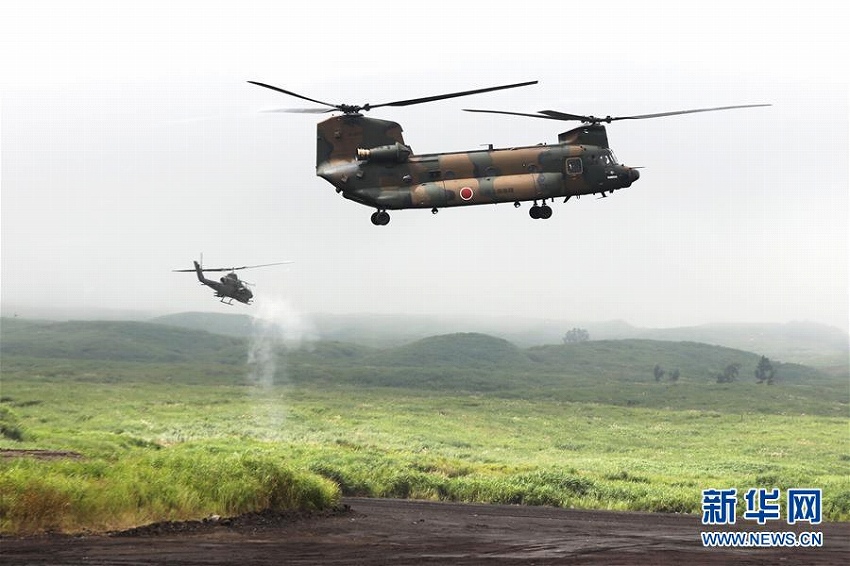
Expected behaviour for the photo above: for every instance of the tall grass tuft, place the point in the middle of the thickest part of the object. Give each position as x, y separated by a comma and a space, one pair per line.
182, 483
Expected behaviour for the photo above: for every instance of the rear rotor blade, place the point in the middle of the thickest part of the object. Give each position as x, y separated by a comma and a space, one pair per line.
302, 110
353, 108
295, 94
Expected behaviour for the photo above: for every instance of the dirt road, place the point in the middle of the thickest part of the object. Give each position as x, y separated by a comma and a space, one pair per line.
382, 531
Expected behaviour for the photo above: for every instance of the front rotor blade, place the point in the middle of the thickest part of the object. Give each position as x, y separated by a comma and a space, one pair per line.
508, 113
554, 114
660, 114
445, 96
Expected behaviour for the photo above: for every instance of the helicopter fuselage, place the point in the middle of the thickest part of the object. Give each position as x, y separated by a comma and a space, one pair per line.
227, 287
366, 160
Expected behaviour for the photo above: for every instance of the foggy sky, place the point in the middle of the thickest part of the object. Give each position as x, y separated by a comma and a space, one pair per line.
131, 143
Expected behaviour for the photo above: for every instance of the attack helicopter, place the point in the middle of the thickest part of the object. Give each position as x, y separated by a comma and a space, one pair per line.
229, 286
368, 162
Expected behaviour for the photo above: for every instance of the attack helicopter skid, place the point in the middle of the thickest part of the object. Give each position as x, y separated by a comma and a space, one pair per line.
368, 162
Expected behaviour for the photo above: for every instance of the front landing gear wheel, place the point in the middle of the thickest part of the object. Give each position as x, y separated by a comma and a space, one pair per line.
380, 218
543, 212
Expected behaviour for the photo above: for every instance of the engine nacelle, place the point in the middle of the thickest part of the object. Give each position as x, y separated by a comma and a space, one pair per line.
395, 153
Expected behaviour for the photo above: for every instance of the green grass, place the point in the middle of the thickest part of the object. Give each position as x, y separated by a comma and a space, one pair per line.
162, 449
168, 431
142, 486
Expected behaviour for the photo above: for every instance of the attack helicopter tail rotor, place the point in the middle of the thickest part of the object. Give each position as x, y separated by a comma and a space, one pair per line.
563, 116
356, 109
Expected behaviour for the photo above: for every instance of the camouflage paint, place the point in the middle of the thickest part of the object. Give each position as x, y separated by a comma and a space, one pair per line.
367, 161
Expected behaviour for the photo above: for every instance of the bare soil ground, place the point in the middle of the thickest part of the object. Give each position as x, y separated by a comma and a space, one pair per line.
390, 531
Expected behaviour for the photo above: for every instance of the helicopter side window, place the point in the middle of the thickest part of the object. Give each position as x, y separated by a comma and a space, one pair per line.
574, 166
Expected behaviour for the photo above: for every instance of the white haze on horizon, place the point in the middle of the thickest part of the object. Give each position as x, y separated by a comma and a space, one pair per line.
130, 141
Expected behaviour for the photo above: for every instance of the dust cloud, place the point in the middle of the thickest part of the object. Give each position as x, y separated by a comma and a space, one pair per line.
277, 328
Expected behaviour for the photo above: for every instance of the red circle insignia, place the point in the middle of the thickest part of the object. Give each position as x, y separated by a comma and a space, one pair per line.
466, 193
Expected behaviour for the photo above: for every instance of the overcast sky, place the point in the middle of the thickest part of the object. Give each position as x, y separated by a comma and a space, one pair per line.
131, 143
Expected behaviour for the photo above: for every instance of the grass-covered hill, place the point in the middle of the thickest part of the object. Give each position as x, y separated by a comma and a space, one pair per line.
494, 358
463, 350
240, 325
801, 342
115, 341
611, 372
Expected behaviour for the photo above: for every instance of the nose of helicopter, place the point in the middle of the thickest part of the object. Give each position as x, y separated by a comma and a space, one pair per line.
629, 176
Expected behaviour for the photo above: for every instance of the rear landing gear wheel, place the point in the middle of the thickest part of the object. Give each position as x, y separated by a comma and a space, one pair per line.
380, 218
534, 212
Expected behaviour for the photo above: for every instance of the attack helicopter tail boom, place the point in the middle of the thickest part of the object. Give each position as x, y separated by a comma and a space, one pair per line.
199, 272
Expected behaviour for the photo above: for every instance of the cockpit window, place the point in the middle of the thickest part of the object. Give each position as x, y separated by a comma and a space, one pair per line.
607, 158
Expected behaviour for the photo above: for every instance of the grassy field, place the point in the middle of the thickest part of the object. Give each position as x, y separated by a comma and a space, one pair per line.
463, 418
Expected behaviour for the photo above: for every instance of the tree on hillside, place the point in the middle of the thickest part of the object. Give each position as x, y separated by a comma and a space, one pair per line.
765, 372
576, 335
729, 374
658, 372
674, 375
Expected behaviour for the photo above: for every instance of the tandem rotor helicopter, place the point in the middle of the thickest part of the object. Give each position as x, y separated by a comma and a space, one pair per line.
230, 286
367, 161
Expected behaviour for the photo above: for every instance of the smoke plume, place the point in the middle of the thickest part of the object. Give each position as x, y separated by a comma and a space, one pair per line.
277, 328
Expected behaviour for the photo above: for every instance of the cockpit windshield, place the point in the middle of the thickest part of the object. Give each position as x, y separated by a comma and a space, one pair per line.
607, 158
